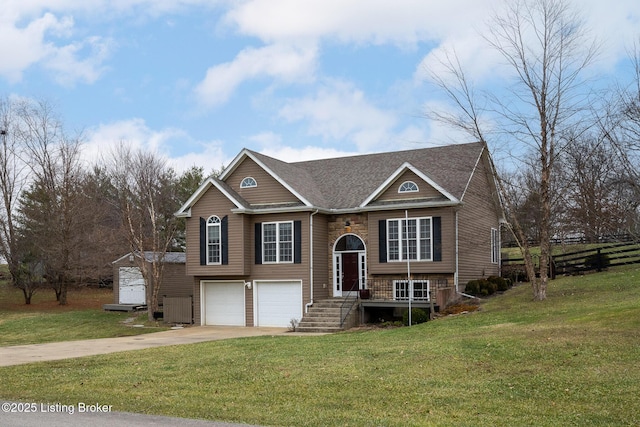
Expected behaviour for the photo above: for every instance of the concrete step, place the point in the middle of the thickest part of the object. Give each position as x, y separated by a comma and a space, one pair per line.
319, 321
325, 329
324, 316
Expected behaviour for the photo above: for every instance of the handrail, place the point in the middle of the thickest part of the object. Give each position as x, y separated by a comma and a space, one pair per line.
342, 306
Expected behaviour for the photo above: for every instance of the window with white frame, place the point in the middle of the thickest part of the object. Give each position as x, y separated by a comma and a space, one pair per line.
214, 243
408, 187
409, 239
495, 246
402, 290
248, 182
277, 242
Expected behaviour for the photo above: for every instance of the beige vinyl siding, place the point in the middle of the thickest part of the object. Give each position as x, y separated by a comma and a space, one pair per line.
268, 191
475, 220
197, 318
175, 283
213, 202
321, 281
284, 271
447, 265
424, 189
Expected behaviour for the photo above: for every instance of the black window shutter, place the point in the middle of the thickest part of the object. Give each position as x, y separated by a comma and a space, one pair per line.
382, 240
203, 241
297, 242
224, 239
258, 237
437, 238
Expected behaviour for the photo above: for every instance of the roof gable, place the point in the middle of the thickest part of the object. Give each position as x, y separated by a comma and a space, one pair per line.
395, 177
271, 166
185, 210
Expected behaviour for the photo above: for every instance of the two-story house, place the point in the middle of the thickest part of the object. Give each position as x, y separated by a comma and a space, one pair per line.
268, 239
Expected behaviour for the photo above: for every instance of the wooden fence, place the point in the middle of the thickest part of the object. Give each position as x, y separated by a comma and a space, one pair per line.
593, 259
577, 240
177, 310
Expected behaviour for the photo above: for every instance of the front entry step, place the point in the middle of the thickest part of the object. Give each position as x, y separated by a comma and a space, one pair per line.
325, 315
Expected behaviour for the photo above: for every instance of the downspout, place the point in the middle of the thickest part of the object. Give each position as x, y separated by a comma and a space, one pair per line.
310, 303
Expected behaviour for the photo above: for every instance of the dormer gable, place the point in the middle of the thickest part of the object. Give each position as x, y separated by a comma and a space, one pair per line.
269, 188
185, 210
409, 183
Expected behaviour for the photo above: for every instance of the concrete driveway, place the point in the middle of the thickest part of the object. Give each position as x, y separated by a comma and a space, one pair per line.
21, 354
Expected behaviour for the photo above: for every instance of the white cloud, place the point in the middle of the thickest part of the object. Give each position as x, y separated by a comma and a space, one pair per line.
135, 133
340, 112
69, 68
402, 22
267, 139
22, 47
208, 155
102, 141
271, 145
285, 63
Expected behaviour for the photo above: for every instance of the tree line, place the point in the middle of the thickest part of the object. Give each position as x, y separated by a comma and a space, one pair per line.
62, 222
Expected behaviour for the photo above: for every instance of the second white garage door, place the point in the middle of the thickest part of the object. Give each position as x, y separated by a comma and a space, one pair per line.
223, 303
277, 302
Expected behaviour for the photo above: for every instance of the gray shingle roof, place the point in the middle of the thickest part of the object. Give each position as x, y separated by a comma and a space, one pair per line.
345, 182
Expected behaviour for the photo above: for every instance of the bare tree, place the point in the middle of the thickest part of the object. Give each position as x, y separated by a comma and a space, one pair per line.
12, 179
146, 195
596, 191
51, 211
547, 48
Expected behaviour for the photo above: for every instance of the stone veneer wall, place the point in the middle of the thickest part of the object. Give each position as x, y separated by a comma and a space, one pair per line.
359, 225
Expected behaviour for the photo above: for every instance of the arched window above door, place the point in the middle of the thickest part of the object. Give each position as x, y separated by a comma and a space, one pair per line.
349, 242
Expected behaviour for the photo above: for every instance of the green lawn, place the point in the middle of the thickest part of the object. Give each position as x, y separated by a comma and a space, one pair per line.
569, 361
44, 320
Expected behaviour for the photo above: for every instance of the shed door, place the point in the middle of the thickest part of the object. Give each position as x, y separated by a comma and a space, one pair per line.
223, 303
131, 286
278, 302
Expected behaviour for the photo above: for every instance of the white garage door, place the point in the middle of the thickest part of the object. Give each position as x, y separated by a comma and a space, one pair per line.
223, 303
276, 303
131, 286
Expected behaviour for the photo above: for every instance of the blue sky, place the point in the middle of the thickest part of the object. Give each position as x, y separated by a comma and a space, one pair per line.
197, 80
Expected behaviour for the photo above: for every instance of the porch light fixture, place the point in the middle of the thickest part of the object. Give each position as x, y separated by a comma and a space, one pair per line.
347, 227
248, 285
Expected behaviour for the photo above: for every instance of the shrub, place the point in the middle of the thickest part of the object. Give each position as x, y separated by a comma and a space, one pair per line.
487, 287
418, 315
501, 284
472, 288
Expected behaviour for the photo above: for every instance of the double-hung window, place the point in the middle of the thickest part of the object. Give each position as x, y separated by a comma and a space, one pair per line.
214, 242
409, 239
277, 242
402, 290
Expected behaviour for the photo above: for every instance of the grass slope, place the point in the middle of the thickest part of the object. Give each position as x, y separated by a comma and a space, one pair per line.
571, 360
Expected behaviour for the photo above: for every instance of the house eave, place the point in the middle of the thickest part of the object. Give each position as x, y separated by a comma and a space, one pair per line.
340, 211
